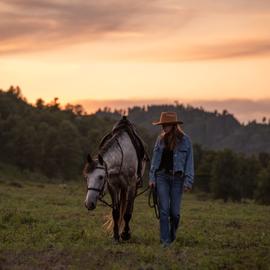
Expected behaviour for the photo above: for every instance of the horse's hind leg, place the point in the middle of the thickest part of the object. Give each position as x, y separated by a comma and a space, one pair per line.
125, 235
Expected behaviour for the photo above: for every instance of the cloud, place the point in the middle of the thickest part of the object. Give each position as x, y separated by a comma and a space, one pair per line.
243, 109
50, 24
226, 50
233, 49
152, 27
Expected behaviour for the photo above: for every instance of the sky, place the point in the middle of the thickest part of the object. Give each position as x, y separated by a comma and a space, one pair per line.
203, 52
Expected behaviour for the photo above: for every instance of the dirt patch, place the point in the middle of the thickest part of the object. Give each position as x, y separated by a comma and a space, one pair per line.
15, 184
55, 260
30, 260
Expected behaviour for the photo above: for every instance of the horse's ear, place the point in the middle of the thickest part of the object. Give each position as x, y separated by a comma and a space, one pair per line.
89, 159
100, 159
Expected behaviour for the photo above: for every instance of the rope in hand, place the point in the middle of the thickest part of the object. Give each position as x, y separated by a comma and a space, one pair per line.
155, 201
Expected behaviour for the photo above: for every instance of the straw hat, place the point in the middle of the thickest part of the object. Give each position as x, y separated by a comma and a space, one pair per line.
168, 118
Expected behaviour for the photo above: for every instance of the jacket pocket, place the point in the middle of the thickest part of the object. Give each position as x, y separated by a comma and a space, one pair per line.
182, 152
180, 159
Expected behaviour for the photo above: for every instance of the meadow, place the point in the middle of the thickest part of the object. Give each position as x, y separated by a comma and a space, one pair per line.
46, 226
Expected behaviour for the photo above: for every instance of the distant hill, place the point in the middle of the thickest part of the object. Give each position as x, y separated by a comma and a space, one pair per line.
212, 130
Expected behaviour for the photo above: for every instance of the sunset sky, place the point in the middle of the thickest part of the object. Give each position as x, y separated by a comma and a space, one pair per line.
203, 52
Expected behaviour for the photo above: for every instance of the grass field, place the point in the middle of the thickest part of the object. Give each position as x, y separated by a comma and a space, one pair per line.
46, 226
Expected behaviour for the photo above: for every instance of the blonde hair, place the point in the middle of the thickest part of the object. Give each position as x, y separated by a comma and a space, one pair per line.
170, 138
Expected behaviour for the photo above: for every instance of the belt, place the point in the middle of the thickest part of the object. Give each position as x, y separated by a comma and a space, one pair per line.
171, 172
178, 173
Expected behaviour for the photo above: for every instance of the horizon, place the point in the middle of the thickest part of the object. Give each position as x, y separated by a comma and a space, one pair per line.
244, 110
237, 107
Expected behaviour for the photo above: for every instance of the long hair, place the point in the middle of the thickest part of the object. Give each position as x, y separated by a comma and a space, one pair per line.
171, 137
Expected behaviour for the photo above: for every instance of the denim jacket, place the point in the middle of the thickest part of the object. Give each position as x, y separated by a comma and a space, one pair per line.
182, 159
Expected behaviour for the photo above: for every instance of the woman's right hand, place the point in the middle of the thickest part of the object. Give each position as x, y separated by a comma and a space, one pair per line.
187, 189
152, 184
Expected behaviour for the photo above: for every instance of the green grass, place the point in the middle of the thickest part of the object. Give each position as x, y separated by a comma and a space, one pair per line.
46, 226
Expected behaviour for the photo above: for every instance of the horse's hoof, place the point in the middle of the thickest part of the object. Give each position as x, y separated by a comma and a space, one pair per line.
125, 236
116, 239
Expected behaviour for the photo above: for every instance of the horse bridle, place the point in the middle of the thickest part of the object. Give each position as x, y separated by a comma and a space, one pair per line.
100, 190
105, 168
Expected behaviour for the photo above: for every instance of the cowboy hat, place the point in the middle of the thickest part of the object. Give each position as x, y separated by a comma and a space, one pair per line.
168, 118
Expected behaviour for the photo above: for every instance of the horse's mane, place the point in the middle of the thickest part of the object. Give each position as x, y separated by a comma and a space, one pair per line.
108, 141
92, 165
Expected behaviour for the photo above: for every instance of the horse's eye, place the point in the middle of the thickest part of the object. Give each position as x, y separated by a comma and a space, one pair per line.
100, 177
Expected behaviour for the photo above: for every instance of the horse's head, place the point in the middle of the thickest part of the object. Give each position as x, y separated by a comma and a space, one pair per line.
95, 175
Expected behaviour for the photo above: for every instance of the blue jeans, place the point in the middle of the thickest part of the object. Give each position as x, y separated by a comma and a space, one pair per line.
169, 190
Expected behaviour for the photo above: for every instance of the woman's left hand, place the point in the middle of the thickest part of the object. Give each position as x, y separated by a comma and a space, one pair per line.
187, 189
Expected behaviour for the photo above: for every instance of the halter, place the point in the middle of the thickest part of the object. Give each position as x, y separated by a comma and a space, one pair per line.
100, 190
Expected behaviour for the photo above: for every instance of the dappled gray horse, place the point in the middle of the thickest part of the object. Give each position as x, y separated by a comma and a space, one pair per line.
117, 169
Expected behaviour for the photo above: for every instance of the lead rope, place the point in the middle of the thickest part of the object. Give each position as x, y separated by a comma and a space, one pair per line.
106, 203
155, 202
152, 192
103, 193
152, 196
137, 195
110, 205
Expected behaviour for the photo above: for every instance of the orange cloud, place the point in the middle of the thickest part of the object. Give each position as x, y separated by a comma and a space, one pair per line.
52, 24
234, 49
145, 30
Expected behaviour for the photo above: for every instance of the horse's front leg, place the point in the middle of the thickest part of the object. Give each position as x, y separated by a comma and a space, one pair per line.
115, 211
126, 235
116, 216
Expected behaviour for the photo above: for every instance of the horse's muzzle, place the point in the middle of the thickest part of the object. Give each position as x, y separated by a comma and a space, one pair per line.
91, 206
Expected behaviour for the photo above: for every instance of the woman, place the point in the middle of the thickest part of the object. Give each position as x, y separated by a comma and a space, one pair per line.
171, 172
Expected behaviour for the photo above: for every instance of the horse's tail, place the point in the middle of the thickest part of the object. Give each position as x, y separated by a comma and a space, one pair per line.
108, 225
109, 219
123, 208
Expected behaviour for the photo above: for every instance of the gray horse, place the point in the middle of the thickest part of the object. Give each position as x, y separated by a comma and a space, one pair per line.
117, 169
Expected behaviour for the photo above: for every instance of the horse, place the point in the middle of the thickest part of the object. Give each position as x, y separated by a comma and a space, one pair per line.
116, 169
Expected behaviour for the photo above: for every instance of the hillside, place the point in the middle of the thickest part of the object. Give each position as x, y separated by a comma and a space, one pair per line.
212, 130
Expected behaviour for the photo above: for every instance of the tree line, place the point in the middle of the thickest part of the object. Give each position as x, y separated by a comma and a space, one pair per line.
232, 176
213, 130
54, 141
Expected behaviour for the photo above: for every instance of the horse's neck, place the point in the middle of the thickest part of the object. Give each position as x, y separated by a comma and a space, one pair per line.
119, 154
113, 156
113, 160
